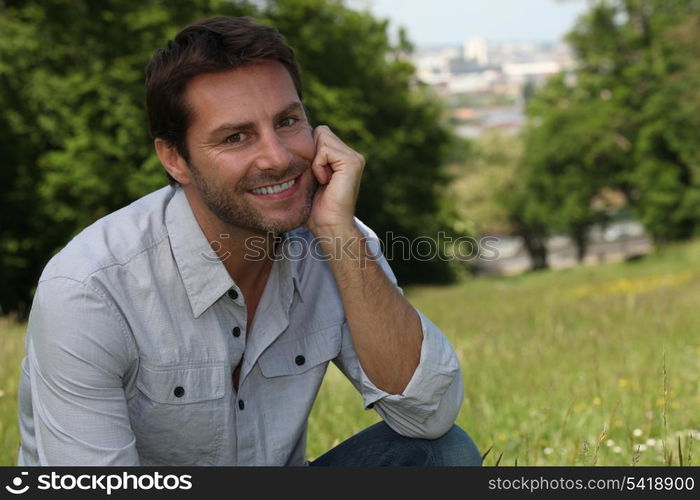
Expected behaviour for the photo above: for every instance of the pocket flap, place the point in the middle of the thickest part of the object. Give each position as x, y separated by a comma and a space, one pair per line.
295, 356
182, 385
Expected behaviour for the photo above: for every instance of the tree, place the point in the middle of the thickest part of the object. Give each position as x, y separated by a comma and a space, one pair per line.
667, 177
618, 123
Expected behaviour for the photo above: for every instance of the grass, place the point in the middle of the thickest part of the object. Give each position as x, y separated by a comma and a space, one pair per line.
587, 366
11, 353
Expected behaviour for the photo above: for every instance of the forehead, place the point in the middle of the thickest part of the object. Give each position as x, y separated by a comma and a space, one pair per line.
249, 93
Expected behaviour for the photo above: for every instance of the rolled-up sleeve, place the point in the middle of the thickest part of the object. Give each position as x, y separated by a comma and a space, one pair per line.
73, 407
429, 404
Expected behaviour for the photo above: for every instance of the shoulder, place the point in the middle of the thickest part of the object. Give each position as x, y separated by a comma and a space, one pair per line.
112, 240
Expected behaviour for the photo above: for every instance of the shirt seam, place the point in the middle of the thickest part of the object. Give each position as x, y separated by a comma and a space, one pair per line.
112, 264
131, 343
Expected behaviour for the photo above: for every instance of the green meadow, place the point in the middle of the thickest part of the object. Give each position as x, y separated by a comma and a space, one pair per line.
587, 366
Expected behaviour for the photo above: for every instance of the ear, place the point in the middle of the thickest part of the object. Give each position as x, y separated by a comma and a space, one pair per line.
172, 161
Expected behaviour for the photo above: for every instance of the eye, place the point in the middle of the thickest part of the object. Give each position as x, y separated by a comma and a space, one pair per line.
288, 122
236, 138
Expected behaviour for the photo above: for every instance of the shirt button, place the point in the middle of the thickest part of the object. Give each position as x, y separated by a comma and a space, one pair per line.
233, 294
241, 404
236, 331
179, 392
300, 360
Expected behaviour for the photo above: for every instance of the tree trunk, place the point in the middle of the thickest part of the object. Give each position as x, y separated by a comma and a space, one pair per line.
580, 237
536, 247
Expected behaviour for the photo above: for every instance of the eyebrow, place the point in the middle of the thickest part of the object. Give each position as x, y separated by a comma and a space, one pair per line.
230, 127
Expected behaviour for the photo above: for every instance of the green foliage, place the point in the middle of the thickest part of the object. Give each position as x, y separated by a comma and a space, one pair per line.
625, 121
75, 144
667, 177
485, 178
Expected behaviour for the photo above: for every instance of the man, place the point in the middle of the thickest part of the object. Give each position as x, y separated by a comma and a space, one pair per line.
183, 330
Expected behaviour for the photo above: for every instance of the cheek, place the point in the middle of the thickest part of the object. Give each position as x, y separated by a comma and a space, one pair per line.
302, 144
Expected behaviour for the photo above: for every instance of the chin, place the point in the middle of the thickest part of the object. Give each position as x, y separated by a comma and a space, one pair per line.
283, 227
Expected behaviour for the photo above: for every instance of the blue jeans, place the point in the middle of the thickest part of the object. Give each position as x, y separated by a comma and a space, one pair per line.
379, 445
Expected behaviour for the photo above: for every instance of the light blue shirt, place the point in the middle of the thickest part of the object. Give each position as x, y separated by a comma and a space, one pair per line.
130, 351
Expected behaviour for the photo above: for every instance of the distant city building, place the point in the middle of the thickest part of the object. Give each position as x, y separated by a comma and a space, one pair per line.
476, 49
485, 81
433, 65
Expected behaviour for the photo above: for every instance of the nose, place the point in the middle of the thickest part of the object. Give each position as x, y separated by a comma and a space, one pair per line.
273, 153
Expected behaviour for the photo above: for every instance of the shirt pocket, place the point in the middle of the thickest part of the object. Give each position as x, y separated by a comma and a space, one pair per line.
179, 412
302, 351
182, 385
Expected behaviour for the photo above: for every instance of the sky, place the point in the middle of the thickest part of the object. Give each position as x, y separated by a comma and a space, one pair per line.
449, 22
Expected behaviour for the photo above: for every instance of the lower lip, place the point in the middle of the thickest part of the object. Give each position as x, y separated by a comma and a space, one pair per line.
282, 195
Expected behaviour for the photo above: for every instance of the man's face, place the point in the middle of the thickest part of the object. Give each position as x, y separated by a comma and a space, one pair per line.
249, 136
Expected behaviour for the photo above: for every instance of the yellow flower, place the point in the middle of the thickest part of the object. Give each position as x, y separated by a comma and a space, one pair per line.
622, 383
502, 436
597, 401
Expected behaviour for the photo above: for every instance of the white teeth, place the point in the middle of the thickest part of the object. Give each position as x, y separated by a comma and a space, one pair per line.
274, 189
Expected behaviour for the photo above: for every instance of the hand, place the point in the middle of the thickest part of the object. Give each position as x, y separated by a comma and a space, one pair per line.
338, 170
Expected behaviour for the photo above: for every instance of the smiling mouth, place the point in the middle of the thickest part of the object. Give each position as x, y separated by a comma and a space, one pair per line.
276, 188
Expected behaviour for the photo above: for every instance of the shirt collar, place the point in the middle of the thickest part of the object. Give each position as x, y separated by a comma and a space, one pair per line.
204, 276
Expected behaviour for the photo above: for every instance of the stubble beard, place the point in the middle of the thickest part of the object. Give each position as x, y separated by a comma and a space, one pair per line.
232, 209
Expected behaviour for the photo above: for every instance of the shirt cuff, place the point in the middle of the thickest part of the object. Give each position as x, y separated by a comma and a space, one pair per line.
435, 372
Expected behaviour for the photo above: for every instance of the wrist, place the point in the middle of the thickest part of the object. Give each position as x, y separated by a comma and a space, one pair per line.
340, 243
344, 230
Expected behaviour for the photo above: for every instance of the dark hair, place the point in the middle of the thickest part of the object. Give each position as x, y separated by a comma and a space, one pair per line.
206, 46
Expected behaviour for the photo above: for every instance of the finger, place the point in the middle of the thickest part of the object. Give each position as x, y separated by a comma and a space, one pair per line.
324, 136
332, 159
319, 166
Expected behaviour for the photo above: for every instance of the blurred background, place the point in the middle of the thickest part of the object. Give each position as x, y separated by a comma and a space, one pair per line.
566, 130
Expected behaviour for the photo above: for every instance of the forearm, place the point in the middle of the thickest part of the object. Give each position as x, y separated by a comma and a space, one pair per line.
385, 328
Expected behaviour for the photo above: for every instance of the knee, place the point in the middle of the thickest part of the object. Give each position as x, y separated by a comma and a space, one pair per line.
454, 449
